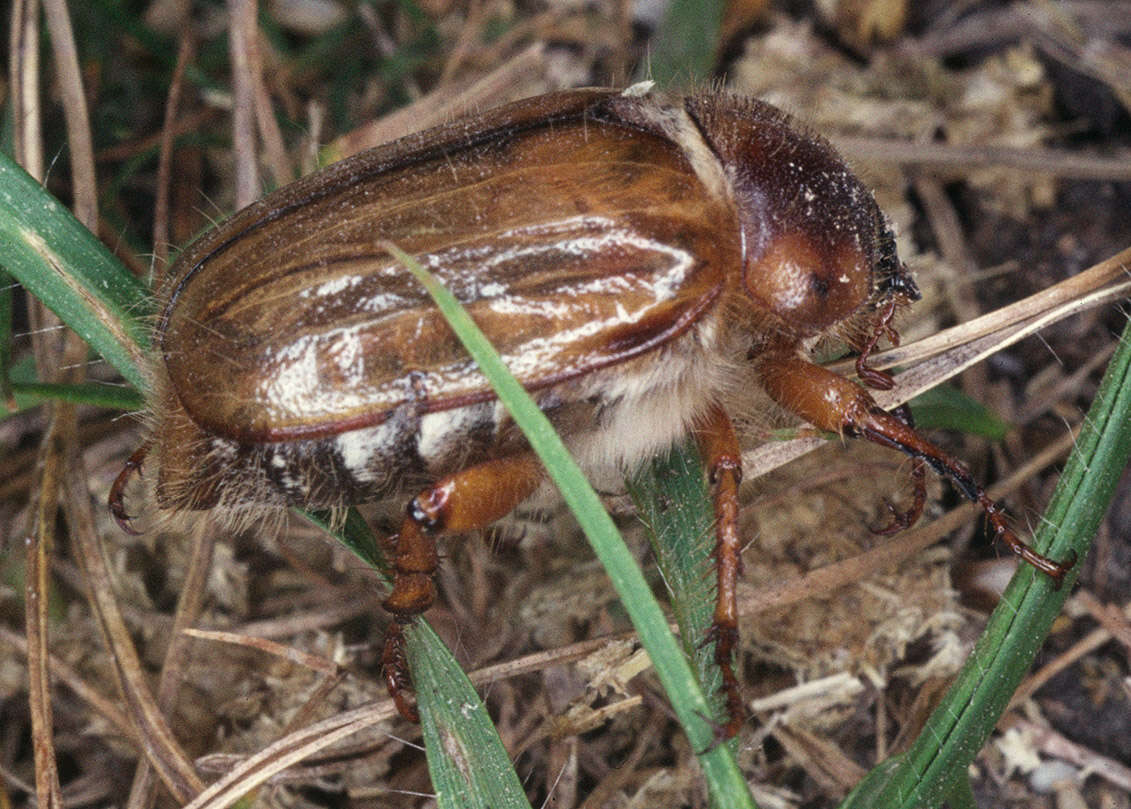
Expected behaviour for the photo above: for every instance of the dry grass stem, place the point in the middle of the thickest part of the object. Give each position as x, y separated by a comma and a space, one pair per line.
298, 746
312, 662
519, 76
160, 743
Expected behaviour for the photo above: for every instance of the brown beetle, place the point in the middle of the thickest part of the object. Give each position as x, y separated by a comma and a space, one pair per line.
638, 261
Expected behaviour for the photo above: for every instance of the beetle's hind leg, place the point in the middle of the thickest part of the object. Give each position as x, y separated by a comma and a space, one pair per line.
463, 502
835, 404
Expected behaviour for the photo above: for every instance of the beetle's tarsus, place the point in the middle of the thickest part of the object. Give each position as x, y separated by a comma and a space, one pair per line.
873, 378
720, 734
896, 434
398, 681
901, 520
1050, 567
116, 498
725, 639
124, 520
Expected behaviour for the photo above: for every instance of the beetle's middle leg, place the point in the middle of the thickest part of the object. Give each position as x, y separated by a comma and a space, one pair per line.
466, 501
719, 446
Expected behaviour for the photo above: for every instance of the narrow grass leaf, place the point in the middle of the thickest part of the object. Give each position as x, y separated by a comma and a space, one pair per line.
467, 761
684, 48
65, 266
469, 766
959, 727
673, 501
30, 394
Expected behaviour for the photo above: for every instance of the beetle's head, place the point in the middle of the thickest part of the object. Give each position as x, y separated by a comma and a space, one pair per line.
816, 248
892, 278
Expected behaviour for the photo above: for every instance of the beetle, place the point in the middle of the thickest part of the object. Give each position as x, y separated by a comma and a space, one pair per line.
640, 262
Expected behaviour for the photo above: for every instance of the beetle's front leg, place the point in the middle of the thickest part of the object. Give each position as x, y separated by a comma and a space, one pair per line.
832, 403
466, 501
719, 446
907, 518
904, 292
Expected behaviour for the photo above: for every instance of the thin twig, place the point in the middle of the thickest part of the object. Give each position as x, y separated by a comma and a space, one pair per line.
69, 77
189, 605
516, 77
161, 747
274, 149
956, 161
242, 31
61, 672
38, 547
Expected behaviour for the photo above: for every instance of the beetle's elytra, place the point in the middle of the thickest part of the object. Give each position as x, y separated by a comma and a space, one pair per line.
640, 262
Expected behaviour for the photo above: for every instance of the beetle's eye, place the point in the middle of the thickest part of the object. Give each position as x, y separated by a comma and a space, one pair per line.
808, 282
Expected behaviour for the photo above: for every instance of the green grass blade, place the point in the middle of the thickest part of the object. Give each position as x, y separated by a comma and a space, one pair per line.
945, 407
673, 501
961, 724
672, 667
30, 394
62, 264
356, 535
961, 794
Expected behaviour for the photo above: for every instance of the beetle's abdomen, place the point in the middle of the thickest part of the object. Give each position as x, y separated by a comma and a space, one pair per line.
611, 420
200, 470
